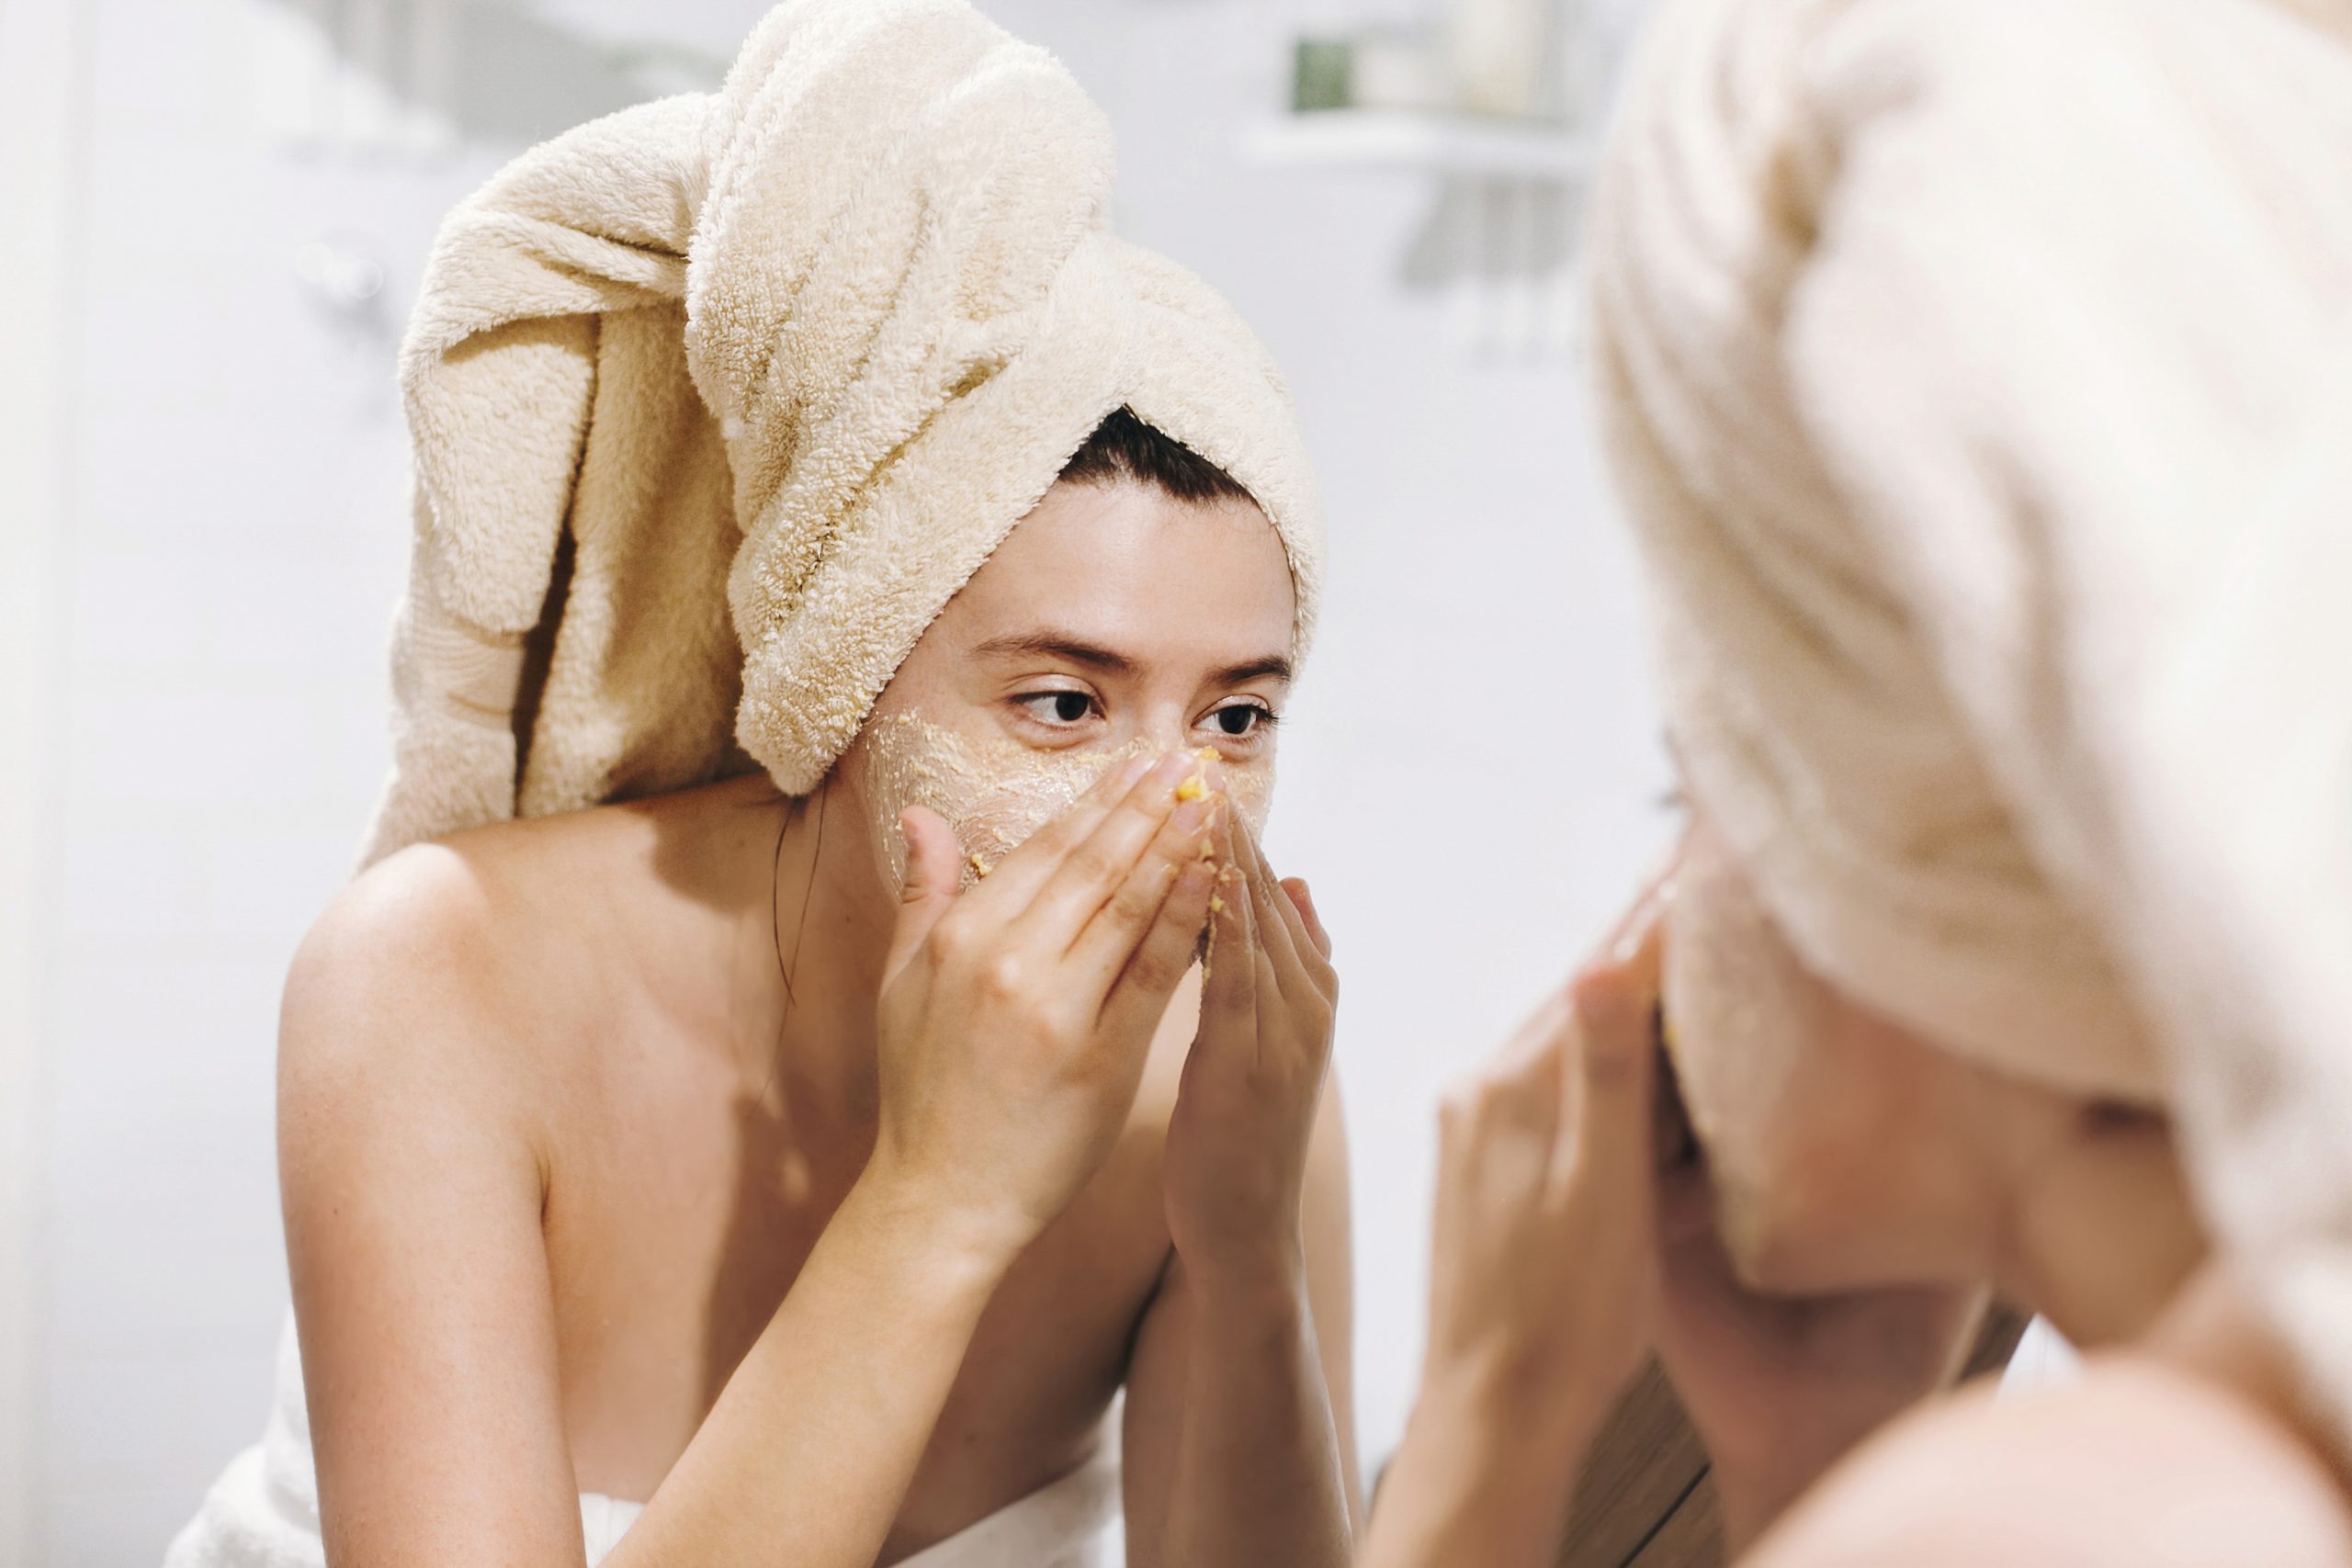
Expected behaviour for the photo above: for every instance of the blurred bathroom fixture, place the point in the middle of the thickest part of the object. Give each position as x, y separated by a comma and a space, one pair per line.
1502, 56
347, 289
370, 77
1433, 142
346, 281
1497, 109
412, 78
1375, 69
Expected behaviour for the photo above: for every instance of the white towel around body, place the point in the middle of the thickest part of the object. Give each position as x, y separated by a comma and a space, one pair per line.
264, 1511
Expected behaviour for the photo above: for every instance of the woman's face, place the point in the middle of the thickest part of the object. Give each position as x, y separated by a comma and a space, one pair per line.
1115, 618
1840, 1149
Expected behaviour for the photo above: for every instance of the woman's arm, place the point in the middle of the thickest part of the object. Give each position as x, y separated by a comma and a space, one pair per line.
412, 1175
1241, 1394
2136, 1462
1239, 1414
1013, 1025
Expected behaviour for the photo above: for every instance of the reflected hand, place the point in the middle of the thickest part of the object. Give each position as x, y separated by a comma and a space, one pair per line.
1542, 1275
1541, 1269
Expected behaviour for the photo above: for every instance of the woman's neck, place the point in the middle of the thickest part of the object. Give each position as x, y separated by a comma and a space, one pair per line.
828, 926
779, 962
2100, 1233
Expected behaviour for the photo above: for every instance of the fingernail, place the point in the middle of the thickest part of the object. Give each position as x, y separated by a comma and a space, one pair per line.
1129, 770
1173, 767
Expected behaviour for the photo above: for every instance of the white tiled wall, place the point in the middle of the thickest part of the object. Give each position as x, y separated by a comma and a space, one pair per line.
235, 539
231, 548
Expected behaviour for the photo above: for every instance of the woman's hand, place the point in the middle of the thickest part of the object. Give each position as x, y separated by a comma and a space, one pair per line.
1014, 1019
1542, 1276
1255, 1470
1236, 1157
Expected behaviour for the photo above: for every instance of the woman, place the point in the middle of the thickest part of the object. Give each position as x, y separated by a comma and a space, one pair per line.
796, 1168
1977, 377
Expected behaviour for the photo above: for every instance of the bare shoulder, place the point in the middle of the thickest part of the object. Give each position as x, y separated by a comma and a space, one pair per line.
2135, 1464
425, 982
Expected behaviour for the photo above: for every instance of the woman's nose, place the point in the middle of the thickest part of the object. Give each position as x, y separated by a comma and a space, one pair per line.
1163, 730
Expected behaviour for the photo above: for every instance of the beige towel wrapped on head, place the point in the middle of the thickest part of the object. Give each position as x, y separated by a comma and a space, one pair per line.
1979, 374
716, 403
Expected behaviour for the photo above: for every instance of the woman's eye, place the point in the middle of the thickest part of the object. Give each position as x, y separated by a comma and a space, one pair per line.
1057, 707
1242, 719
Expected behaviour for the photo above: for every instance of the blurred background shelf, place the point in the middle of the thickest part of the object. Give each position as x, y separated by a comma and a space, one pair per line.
1421, 140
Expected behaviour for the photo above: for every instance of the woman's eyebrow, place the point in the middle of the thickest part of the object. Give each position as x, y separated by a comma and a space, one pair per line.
1272, 666
1076, 651
1057, 645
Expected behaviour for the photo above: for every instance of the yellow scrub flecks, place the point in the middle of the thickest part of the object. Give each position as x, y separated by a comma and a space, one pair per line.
995, 792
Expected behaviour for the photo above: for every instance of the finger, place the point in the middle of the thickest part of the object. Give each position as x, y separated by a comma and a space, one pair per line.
1128, 917
1138, 998
1302, 898
1533, 1049
1609, 1086
1495, 1135
1619, 986
934, 877
1271, 918
1517, 1090
1648, 906
1128, 836
1228, 980
1014, 881
1229, 997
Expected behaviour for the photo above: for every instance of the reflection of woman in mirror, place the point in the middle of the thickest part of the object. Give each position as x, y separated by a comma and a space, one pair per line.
624, 1219
1977, 376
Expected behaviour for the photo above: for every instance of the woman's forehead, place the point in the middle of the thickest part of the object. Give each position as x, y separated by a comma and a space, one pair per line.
1129, 564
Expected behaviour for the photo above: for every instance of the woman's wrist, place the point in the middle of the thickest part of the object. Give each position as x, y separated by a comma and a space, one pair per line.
1475, 1480
1522, 1406
1240, 1315
1258, 1274
957, 1248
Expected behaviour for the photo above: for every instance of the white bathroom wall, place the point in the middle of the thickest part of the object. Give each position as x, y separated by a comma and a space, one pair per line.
1468, 769
38, 80
231, 542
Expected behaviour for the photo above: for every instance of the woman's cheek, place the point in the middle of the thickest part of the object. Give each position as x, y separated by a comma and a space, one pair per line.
993, 791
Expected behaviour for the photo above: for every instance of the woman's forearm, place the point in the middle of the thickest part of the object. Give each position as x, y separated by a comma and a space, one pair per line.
806, 1455
1485, 1475
1258, 1477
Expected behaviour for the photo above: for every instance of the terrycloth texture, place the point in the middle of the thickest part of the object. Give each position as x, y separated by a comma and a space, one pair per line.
1979, 376
264, 1511
716, 402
